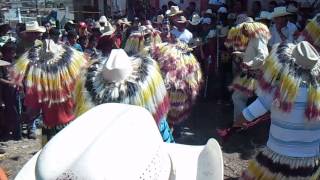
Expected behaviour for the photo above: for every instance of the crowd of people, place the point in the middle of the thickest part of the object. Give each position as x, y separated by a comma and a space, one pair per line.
268, 57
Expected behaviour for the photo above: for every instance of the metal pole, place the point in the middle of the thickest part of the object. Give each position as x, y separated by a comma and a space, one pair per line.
37, 8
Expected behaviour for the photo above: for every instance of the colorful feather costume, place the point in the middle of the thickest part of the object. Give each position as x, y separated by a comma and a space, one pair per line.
246, 82
144, 87
311, 33
49, 78
183, 77
239, 42
285, 77
137, 42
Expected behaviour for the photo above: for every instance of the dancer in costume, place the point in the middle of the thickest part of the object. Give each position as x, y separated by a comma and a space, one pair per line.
129, 80
138, 40
311, 32
249, 40
182, 75
289, 89
49, 73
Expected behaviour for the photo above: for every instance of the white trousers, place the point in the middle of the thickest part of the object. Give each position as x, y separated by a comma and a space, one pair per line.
239, 100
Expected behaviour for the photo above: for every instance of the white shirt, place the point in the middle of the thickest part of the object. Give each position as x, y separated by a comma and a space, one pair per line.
256, 53
287, 31
290, 134
184, 36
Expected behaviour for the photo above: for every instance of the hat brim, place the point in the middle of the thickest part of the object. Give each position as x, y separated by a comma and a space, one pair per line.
108, 33
176, 13
196, 162
28, 170
195, 23
37, 30
182, 22
280, 15
4, 63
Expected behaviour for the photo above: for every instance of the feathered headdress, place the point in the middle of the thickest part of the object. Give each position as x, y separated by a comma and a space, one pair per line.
143, 87
239, 41
283, 75
137, 41
182, 75
311, 33
49, 72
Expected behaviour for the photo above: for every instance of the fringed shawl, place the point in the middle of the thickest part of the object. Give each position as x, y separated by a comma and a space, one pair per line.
311, 33
49, 78
282, 74
144, 87
182, 75
237, 40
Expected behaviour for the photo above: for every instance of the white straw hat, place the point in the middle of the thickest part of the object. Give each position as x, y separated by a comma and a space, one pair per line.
196, 19
103, 19
174, 10
263, 15
279, 12
108, 29
118, 66
122, 142
33, 26
158, 19
305, 55
4, 63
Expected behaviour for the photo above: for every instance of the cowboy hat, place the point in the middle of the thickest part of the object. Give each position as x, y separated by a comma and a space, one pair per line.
196, 19
305, 55
209, 11
4, 63
123, 142
279, 12
222, 10
243, 18
174, 10
125, 21
181, 20
264, 15
108, 30
118, 66
158, 19
292, 8
103, 19
33, 26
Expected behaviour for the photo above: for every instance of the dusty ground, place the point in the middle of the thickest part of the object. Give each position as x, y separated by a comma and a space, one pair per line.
201, 126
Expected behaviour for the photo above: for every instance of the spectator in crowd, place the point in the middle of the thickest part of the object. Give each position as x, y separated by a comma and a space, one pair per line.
83, 29
166, 35
256, 9
272, 5
163, 10
9, 94
264, 17
216, 4
30, 37
54, 34
83, 41
107, 42
194, 26
190, 10
181, 33
239, 8
292, 8
174, 14
72, 41
282, 30
158, 21
91, 47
